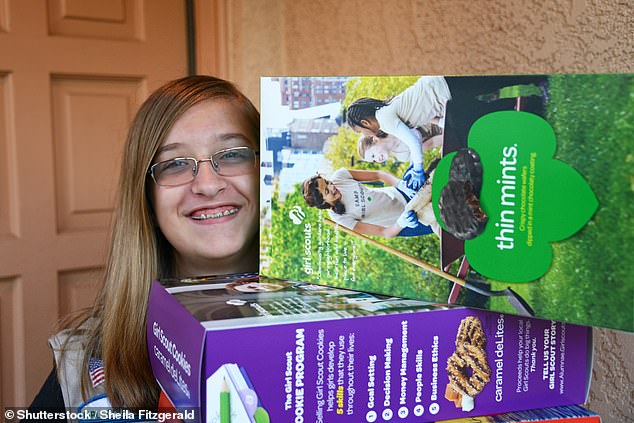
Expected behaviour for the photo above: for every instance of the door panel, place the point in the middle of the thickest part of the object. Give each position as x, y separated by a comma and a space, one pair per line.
8, 187
72, 74
77, 288
119, 19
90, 118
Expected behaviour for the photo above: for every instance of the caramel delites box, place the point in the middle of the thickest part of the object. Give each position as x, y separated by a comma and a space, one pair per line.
257, 349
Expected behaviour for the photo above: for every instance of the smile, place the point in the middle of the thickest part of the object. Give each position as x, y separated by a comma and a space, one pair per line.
215, 215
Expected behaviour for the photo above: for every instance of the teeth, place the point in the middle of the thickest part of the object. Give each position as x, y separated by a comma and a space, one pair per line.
216, 215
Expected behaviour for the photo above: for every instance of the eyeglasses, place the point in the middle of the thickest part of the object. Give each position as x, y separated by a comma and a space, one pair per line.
182, 170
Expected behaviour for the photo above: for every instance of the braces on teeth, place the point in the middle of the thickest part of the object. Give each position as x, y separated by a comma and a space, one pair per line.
215, 216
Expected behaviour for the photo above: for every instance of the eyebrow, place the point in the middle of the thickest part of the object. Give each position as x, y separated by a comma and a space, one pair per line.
222, 139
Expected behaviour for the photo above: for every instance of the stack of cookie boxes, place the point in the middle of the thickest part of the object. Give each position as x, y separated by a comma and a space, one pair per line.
308, 353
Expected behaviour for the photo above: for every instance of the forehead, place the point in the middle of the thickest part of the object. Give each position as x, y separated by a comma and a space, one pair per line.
217, 123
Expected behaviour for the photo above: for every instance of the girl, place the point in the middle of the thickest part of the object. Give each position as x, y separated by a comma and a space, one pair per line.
187, 206
387, 212
421, 105
378, 150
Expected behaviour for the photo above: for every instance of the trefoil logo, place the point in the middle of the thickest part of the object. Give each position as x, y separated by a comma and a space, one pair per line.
297, 215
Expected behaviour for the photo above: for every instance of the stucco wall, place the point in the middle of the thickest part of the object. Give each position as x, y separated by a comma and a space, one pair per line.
612, 389
352, 37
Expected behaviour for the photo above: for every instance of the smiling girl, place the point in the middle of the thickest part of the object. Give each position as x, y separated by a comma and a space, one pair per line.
187, 205
387, 211
378, 150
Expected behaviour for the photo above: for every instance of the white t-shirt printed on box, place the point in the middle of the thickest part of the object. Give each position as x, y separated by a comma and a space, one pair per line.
378, 206
400, 149
417, 106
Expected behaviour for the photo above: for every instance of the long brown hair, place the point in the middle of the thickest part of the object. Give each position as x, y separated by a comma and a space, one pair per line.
138, 252
314, 197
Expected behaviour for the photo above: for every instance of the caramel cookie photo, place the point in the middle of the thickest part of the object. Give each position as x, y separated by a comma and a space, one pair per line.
467, 368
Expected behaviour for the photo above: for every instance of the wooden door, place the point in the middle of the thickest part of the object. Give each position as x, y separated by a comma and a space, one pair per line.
72, 73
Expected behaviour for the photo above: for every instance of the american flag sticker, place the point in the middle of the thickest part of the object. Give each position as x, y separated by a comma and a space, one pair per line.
97, 376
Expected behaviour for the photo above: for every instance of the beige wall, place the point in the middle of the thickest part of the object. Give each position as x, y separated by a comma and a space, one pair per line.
352, 37
612, 389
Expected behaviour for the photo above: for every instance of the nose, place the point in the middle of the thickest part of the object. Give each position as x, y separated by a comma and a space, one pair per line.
207, 181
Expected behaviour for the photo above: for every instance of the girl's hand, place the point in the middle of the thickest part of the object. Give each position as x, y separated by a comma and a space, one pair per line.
415, 178
408, 219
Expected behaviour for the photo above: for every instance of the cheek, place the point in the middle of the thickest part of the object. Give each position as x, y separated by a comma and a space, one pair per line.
248, 187
163, 203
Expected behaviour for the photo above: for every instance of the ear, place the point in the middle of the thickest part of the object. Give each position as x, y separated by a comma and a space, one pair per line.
365, 123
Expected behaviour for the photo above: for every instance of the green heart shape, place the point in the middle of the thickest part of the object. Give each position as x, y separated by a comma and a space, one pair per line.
531, 198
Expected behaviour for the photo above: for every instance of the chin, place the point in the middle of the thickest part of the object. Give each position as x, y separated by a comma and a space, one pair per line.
223, 250
236, 248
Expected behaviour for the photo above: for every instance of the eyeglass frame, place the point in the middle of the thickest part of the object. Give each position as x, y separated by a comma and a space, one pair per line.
210, 159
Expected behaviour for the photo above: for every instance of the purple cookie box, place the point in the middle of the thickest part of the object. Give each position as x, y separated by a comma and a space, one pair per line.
325, 365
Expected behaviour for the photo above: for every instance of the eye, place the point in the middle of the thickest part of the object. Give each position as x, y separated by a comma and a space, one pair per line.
234, 155
174, 166
177, 163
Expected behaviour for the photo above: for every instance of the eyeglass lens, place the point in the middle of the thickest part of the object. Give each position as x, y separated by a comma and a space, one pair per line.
230, 162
